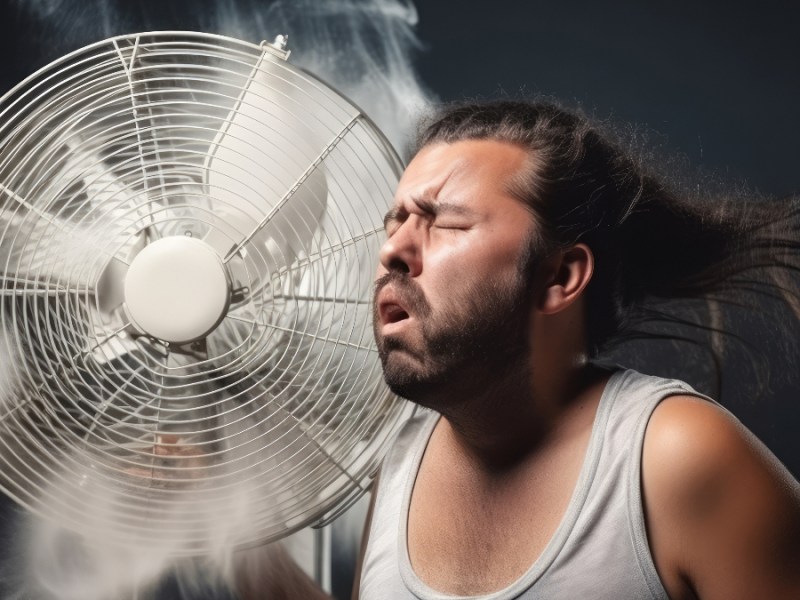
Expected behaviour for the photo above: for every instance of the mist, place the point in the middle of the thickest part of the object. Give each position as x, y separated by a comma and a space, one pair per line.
363, 48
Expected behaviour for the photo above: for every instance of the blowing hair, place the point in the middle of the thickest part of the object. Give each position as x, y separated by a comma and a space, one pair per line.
655, 244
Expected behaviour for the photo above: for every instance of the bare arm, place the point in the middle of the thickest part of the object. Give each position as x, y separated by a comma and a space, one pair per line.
723, 515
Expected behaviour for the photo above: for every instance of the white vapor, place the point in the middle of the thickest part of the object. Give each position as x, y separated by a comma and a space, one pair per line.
364, 49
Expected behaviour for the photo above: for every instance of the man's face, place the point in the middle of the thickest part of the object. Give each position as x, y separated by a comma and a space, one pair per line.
452, 297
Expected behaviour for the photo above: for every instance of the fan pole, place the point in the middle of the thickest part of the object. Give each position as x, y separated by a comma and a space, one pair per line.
322, 557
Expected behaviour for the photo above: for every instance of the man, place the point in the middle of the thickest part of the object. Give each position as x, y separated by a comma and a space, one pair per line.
521, 244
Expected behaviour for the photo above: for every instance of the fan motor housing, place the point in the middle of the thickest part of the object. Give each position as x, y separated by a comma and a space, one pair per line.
177, 289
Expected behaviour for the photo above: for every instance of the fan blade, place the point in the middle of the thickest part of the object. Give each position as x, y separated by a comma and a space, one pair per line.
274, 412
45, 251
61, 242
263, 175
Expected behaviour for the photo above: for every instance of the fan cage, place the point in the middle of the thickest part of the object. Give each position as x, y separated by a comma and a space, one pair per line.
275, 419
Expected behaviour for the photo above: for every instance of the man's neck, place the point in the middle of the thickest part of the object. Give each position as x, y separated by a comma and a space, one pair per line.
498, 428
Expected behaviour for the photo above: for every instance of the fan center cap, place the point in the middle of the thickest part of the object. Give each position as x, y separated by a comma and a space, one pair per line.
177, 289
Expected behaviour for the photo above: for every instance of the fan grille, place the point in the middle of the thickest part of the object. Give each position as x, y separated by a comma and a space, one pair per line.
276, 417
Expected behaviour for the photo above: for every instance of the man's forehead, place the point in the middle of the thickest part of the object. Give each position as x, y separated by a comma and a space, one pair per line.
429, 172
464, 162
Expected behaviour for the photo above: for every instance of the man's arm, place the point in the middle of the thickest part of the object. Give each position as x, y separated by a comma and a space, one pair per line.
723, 515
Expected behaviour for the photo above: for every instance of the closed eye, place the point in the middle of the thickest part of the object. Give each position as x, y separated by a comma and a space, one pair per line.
439, 215
450, 226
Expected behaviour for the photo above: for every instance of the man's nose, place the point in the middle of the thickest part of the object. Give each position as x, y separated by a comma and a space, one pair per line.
402, 251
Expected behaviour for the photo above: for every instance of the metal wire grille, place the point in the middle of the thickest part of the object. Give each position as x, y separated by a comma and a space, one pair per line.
278, 414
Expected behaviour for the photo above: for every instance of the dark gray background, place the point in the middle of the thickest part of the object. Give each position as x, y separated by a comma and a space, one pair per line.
716, 82
719, 80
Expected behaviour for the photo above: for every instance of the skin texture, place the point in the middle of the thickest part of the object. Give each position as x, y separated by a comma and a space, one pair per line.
515, 429
518, 400
462, 310
723, 516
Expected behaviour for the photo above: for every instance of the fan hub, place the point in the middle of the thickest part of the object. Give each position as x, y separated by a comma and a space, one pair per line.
177, 290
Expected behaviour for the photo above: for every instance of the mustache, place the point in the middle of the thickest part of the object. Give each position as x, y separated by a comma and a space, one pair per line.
408, 291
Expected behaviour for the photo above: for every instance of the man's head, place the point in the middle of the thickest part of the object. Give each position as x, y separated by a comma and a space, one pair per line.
463, 271
579, 186
582, 199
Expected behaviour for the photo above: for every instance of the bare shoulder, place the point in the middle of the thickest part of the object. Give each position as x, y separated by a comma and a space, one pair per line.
693, 446
690, 439
722, 513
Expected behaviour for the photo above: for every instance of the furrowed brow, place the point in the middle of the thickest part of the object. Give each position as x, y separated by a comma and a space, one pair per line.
441, 207
427, 206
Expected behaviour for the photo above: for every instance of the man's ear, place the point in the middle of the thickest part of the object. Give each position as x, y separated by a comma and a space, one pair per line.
564, 277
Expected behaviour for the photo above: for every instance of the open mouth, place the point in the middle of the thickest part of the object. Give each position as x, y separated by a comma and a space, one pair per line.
393, 313
390, 308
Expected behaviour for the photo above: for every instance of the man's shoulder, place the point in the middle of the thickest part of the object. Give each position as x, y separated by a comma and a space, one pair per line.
696, 452
711, 489
687, 437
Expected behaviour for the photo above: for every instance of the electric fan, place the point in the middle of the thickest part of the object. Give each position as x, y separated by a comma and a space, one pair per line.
189, 228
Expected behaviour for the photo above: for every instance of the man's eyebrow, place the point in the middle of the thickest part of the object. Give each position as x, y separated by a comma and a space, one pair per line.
430, 207
391, 215
442, 206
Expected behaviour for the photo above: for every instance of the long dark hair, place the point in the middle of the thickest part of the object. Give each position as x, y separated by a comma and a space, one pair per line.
656, 242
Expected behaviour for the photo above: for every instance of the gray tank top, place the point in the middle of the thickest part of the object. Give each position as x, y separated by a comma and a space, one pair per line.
599, 549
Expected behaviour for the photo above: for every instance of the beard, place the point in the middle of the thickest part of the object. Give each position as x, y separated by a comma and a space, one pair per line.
478, 340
